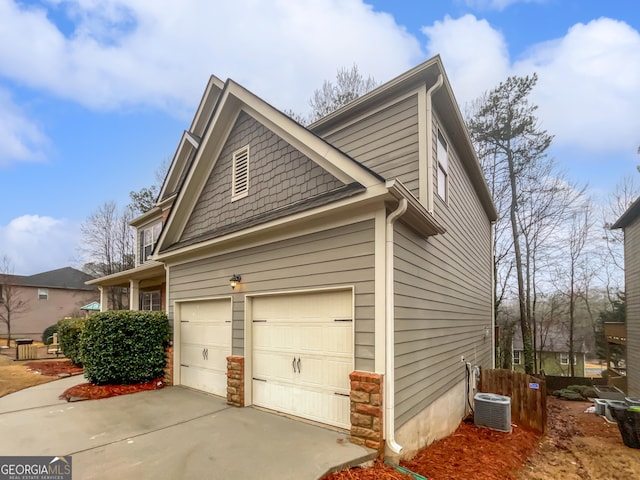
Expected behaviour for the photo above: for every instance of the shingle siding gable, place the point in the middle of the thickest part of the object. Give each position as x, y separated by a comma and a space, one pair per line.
279, 176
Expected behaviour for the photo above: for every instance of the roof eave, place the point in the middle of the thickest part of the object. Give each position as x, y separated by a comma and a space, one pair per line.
417, 217
628, 216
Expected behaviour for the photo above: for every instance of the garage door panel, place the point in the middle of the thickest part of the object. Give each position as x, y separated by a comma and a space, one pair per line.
317, 330
205, 344
273, 365
205, 310
274, 337
215, 358
338, 338
206, 333
203, 379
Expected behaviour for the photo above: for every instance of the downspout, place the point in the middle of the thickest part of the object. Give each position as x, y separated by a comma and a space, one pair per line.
389, 388
493, 298
430, 92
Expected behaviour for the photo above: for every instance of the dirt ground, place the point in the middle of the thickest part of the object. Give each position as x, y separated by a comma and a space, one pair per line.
578, 446
581, 446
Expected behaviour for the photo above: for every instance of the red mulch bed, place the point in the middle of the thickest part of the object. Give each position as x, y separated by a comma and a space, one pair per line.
88, 391
54, 367
470, 453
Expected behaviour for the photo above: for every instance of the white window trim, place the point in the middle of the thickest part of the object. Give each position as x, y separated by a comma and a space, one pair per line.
240, 154
43, 294
154, 233
514, 358
150, 294
564, 359
442, 166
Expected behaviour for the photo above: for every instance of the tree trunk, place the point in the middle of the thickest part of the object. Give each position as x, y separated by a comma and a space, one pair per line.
524, 324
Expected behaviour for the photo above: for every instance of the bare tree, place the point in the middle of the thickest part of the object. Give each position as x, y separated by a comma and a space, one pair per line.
503, 124
623, 195
349, 85
579, 272
11, 303
109, 245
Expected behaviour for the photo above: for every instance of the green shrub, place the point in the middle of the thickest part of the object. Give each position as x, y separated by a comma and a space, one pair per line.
567, 394
585, 390
69, 333
124, 347
48, 333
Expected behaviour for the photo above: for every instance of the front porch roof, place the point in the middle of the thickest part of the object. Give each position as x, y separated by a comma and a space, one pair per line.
150, 269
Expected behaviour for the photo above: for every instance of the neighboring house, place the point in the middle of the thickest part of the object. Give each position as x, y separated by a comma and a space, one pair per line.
49, 297
298, 257
552, 353
630, 224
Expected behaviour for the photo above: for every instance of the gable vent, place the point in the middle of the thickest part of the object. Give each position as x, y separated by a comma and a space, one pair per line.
240, 180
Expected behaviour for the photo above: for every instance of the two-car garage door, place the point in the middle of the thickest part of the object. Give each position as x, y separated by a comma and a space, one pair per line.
303, 354
302, 351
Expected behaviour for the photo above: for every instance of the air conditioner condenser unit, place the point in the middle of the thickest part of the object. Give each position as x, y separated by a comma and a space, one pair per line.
492, 411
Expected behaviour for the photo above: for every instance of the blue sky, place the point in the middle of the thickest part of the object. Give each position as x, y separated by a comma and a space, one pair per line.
94, 94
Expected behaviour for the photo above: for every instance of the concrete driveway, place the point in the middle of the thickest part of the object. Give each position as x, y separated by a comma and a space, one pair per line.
171, 433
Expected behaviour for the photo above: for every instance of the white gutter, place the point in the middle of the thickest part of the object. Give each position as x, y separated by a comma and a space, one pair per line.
430, 92
389, 388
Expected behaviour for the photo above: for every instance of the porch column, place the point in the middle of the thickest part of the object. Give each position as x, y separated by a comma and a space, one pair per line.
134, 295
104, 299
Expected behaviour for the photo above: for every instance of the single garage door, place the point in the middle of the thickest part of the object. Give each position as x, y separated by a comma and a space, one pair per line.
303, 354
205, 344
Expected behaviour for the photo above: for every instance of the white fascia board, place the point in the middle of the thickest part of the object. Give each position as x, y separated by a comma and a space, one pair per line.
146, 217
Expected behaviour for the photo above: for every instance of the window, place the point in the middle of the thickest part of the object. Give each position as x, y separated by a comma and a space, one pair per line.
151, 301
43, 294
148, 238
564, 359
443, 167
1, 295
240, 174
516, 358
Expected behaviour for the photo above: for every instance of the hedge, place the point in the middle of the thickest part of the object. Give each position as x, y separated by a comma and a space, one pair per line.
69, 333
124, 347
48, 333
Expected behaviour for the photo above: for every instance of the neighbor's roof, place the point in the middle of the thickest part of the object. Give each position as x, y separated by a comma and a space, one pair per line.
555, 339
67, 277
629, 216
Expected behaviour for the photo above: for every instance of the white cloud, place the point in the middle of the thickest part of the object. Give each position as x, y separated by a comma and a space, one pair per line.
36, 243
160, 54
20, 139
496, 4
588, 85
474, 54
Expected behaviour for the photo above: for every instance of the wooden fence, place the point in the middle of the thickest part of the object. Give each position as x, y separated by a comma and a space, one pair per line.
528, 396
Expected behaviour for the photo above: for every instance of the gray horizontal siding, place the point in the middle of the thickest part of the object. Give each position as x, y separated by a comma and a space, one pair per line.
632, 290
336, 257
386, 142
442, 299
